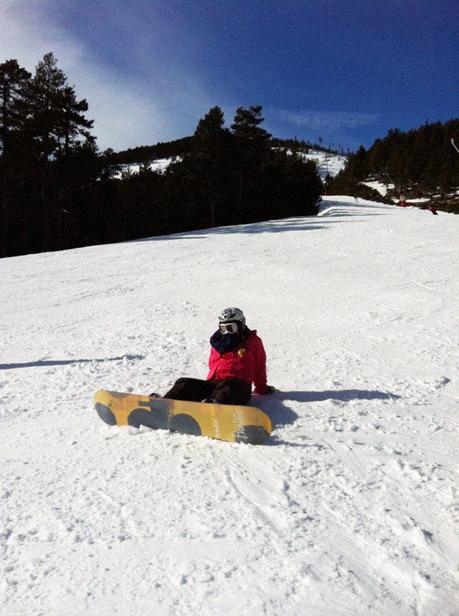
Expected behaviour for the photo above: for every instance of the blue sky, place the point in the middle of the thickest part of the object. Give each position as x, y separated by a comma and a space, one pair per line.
344, 71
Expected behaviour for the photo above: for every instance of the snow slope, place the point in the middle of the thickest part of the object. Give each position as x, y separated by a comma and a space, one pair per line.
327, 162
352, 506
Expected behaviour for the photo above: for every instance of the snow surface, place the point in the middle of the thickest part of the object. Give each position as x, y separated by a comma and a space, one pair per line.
351, 508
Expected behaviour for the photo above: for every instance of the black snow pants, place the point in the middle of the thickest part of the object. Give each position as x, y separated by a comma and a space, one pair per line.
226, 391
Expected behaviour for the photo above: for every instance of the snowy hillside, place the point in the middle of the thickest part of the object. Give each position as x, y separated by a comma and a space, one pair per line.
351, 508
159, 165
327, 164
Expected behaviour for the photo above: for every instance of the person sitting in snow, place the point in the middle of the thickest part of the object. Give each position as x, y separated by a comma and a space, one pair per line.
237, 360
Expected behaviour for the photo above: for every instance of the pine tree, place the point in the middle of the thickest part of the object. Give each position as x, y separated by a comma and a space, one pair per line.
246, 126
211, 156
54, 117
12, 80
209, 130
55, 128
252, 145
72, 127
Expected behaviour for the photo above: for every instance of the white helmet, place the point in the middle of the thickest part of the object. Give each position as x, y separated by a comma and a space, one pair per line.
231, 315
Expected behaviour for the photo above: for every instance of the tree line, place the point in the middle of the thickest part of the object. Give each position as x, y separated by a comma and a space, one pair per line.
58, 191
179, 147
48, 157
419, 162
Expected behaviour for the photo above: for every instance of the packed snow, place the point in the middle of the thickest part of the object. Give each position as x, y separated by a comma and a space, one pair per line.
350, 508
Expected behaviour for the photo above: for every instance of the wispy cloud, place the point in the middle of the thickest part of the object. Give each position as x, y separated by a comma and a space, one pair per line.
140, 67
332, 121
155, 103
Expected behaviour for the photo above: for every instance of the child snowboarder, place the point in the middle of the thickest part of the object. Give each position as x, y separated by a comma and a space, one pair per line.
237, 359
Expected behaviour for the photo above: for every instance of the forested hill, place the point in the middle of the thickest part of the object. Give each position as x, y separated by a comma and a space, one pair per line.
146, 153
420, 163
58, 191
183, 146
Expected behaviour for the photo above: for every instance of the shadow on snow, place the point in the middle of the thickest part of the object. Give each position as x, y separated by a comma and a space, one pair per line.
282, 415
282, 225
344, 395
45, 363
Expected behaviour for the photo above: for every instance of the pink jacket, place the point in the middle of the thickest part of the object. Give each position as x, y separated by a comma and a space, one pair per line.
248, 362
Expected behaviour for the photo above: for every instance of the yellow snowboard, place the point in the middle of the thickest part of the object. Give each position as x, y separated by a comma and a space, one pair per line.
227, 422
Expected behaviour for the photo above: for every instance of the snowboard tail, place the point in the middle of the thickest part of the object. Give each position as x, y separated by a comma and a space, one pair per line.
226, 422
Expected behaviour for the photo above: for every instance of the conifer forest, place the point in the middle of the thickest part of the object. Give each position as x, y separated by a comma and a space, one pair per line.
57, 190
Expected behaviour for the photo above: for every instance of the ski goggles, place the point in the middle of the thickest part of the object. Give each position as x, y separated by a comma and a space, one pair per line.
228, 328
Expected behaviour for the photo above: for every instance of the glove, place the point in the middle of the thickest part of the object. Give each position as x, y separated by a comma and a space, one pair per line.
270, 389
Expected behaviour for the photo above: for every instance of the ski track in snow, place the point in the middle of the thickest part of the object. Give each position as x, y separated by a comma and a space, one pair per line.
351, 508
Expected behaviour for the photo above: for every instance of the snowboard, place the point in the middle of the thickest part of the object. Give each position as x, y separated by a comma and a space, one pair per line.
226, 422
